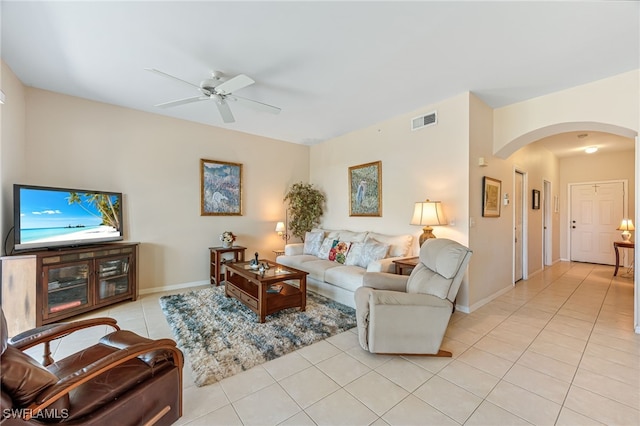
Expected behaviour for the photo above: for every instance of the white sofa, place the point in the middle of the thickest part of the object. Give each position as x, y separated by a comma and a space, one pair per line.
367, 252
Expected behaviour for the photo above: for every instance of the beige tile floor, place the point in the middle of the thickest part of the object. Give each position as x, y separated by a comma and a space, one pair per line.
558, 348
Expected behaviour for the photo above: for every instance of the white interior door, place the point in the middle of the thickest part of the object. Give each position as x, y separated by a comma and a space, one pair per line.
596, 211
547, 243
518, 204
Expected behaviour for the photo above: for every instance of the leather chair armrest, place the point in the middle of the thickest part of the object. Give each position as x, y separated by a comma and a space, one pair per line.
51, 332
385, 281
91, 371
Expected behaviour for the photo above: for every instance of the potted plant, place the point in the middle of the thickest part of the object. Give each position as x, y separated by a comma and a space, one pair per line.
305, 208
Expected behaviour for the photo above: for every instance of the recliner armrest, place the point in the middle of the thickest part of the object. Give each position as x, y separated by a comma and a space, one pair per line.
47, 333
385, 281
386, 297
91, 371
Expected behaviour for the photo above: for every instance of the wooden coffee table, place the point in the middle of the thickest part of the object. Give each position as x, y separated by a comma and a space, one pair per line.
250, 287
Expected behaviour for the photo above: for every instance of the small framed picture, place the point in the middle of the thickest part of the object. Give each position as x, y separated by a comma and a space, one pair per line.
365, 189
535, 199
491, 194
220, 188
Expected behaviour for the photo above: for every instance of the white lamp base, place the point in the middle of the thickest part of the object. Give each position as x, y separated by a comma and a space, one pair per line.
626, 236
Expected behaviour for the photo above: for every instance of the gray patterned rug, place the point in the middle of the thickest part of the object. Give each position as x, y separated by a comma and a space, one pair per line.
221, 337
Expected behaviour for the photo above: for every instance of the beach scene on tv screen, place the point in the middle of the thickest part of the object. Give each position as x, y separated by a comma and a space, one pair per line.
49, 215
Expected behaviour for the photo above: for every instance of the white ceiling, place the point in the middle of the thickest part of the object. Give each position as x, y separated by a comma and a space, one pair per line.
333, 67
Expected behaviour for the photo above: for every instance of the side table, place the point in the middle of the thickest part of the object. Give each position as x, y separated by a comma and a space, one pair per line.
278, 252
623, 244
216, 260
406, 264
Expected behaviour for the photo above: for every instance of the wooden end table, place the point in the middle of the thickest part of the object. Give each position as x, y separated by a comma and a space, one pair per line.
621, 244
250, 287
407, 264
216, 261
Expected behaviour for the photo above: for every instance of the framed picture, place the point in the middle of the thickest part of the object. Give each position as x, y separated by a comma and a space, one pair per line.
220, 188
535, 200
365, 189
491, 193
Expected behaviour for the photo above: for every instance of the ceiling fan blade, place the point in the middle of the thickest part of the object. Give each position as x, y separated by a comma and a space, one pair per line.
225, 111
164, 74
255, 104
236, 83
182, 101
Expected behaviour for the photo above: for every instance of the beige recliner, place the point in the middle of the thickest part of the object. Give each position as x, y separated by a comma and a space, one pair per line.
399, 314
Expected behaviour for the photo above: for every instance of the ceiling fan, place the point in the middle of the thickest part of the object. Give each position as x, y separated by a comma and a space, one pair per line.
219, 91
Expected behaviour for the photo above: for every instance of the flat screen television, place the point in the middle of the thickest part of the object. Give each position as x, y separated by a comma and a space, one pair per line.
46, 217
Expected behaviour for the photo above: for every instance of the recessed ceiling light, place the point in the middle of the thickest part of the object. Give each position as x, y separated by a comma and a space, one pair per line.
591, 149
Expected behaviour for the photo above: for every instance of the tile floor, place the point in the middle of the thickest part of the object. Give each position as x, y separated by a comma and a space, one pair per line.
558, 348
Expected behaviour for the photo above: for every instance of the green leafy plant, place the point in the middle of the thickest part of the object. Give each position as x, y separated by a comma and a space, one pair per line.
305, 208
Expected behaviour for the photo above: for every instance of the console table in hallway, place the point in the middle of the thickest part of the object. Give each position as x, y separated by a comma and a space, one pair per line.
616, 246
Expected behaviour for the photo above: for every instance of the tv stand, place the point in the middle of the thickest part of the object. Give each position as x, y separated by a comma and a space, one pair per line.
47, 286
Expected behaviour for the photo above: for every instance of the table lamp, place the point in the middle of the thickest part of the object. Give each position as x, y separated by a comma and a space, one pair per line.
625, 226
282, 231
428, 213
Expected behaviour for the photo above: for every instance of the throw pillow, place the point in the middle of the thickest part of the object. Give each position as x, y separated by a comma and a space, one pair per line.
312, 242
339, 250
323, 253
372, 251
399, 245
355, 252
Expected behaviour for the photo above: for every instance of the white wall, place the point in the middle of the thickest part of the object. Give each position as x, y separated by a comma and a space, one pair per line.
154, 161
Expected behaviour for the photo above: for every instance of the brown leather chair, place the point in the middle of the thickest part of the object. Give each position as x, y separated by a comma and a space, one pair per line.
124, 379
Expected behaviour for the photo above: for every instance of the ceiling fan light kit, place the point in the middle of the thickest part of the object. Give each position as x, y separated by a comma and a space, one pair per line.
218, 91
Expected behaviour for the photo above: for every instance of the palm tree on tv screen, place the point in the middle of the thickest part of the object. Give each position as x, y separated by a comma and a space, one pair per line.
108, 209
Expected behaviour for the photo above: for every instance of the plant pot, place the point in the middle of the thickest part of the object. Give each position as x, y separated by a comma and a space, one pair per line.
226, 244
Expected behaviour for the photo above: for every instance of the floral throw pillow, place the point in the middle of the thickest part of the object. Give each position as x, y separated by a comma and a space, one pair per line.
339, 250
312, 242
326, 246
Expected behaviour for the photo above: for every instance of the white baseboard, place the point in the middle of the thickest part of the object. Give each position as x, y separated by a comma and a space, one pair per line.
172, 287
487, 299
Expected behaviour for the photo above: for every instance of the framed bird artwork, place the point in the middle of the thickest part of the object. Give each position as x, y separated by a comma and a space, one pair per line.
365, 189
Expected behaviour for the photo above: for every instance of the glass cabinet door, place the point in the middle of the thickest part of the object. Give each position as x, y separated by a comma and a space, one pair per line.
67, 287
113, 277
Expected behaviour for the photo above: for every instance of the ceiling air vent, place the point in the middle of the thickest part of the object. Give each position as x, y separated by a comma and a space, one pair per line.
424, 121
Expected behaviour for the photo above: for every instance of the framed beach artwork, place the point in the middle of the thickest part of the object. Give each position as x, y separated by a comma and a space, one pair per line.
365, 189
220, 188
491, 190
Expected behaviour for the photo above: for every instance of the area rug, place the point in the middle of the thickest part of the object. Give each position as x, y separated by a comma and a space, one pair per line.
222, 337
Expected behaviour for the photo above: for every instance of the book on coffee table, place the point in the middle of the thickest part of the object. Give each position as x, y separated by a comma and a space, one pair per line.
274, 288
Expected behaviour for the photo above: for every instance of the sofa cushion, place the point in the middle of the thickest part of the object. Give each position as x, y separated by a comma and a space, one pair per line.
339, 250
354, 237
317, 268
327, 243
346, 277
296, 261
312, 242
399, 245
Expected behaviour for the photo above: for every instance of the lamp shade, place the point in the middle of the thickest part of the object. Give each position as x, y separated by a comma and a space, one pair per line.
626, 225
428, 213
280, 227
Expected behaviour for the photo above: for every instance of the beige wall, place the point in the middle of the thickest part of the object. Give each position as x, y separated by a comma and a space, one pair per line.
12, 142
608, 105
591, 168
154, 161
432, 162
